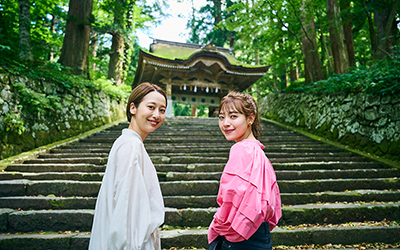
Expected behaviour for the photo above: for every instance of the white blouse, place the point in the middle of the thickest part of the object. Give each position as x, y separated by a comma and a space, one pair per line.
129, 207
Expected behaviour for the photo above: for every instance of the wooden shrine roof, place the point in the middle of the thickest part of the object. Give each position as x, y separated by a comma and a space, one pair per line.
195, 65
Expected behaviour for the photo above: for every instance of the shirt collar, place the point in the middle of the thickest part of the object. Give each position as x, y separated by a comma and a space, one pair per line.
132, 132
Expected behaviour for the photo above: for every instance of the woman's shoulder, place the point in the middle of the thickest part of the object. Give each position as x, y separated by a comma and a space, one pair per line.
247, 145
129, 139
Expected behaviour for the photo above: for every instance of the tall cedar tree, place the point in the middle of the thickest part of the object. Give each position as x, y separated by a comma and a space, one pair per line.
25, 50
312, 64
117, 46
75, 49
336, 35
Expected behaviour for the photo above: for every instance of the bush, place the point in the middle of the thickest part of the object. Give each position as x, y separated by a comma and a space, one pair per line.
380, 77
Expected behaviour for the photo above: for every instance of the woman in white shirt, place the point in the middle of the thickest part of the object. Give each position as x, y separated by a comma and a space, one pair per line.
130, 207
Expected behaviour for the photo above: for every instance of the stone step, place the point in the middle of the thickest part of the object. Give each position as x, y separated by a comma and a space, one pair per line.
199, 201
292, 175
270, 147
151, 149
47, 202
198, 136
365, 195
297, 215
199, 187
56, 167
339, 165
194, 167
197, 238
218, 167
73, 176
186, 176
312, 235
337, 185
187, 158
81, 219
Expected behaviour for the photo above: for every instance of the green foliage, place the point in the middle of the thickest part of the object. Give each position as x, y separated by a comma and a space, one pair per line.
13, 123
109, 88
34, 101
182, 109
43, 39
380, 77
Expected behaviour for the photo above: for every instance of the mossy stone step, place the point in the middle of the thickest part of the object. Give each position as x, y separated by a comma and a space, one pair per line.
56, 167
297, 215
194, 167
337, 185
186, 158
339, 165
292, 175
81, 219
75, 154
291, 237
339, 213
65, 160
57, 187
198, 187
47, 202
199, 201
198, 238
366, 195
204, 175
75, 176
50, 220
91, 188
336, 174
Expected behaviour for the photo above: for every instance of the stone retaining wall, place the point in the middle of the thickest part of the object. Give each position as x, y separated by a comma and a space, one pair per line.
80, 109
370, 123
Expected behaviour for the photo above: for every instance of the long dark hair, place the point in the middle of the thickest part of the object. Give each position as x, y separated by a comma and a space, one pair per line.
139, 93
244, 104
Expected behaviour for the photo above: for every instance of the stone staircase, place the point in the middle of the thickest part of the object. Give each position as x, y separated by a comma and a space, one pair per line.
329, 195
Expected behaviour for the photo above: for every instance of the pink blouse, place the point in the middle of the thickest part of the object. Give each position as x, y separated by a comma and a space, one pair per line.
248, 194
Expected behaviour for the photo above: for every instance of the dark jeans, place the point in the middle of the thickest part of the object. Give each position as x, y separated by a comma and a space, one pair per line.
261, 239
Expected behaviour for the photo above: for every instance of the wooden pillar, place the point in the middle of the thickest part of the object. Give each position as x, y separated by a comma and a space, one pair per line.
194, 110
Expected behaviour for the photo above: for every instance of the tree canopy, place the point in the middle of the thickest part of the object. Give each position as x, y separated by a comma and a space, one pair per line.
305, 41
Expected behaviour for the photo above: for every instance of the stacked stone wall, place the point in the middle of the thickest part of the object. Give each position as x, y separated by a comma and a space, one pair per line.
370, 123
79, 109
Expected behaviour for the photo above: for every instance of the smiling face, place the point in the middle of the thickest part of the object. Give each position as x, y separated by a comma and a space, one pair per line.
234, 125
149, 115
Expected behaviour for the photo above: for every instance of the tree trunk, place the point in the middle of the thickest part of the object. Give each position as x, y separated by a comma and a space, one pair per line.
348, 32
294, 71
312, 64
117, 47
372, 31
75, 49
329, 66
384, 14
94, 44
25, 50
116, 56
339, 50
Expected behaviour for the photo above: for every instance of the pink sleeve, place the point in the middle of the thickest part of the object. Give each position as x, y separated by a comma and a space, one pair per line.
244, 195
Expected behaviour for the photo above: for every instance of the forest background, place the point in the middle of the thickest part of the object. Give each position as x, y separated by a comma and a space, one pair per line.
313, 46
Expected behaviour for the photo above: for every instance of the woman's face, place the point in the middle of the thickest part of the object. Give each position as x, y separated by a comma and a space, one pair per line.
234, 125
149, 115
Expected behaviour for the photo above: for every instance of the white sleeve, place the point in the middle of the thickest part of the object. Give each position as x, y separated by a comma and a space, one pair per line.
130, 223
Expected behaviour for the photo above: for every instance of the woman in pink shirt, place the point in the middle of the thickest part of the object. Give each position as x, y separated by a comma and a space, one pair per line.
249, 199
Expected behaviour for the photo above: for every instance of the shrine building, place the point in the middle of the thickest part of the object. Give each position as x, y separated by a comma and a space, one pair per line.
194, 74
